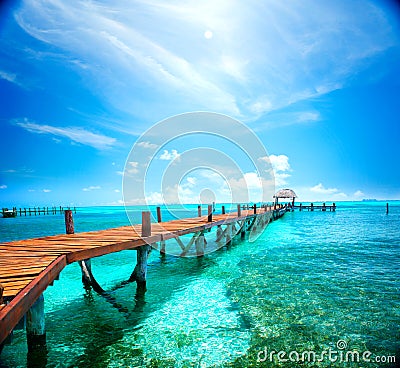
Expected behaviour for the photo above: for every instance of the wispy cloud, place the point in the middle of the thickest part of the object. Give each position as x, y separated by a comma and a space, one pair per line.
3, 186
283, 119
46, 190
10, 77
319, 188
75, 134
147, 144
90, 188
291, 52
358, 194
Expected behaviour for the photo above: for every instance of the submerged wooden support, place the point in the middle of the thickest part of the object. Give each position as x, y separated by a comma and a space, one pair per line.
200, 245
139, 273
88, 279
35, 325
228, 234
186, 248
219, 233
162, 247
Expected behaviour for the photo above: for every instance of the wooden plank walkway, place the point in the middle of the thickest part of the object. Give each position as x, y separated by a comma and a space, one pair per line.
28, 267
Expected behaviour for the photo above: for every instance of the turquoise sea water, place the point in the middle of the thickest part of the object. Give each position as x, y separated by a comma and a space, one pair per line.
312, 280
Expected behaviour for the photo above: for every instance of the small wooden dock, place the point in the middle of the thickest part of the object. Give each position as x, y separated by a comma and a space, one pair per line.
28, 267
312, 207
37, 211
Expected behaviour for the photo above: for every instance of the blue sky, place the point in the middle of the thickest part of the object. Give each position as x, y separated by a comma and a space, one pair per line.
81, 81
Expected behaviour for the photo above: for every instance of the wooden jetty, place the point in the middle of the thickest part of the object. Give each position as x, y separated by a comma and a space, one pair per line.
312, 207
28, 267
35, 211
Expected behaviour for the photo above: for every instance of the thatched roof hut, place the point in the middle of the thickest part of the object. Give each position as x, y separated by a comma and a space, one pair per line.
285, 193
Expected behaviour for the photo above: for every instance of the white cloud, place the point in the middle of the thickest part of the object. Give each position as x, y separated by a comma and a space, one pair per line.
359, 194
279, 163
3, 186
147, 144
191, 180
281, 167
154, 198
320, 189
46, 190
169, 156
75, 134
90, 188
116, 190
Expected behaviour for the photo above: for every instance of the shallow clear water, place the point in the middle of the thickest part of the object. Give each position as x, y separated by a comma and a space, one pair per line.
310, 280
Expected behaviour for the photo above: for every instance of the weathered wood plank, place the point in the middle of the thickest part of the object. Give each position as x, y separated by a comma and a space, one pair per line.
12, 313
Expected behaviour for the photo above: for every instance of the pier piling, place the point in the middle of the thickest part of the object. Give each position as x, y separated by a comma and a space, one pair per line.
35, 326
210, 211
139, 273
387, 208
69, 222
159, 218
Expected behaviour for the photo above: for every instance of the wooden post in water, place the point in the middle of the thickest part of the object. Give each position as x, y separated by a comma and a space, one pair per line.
312, 207
300, 206
323, 207
223, 210
139, 274
199, 210
209, 218
255, 209
159, 218
69, 222
239, 210
387, 208
35, 326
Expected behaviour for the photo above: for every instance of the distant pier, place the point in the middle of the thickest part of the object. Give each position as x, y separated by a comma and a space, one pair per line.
313, 207
35, 211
